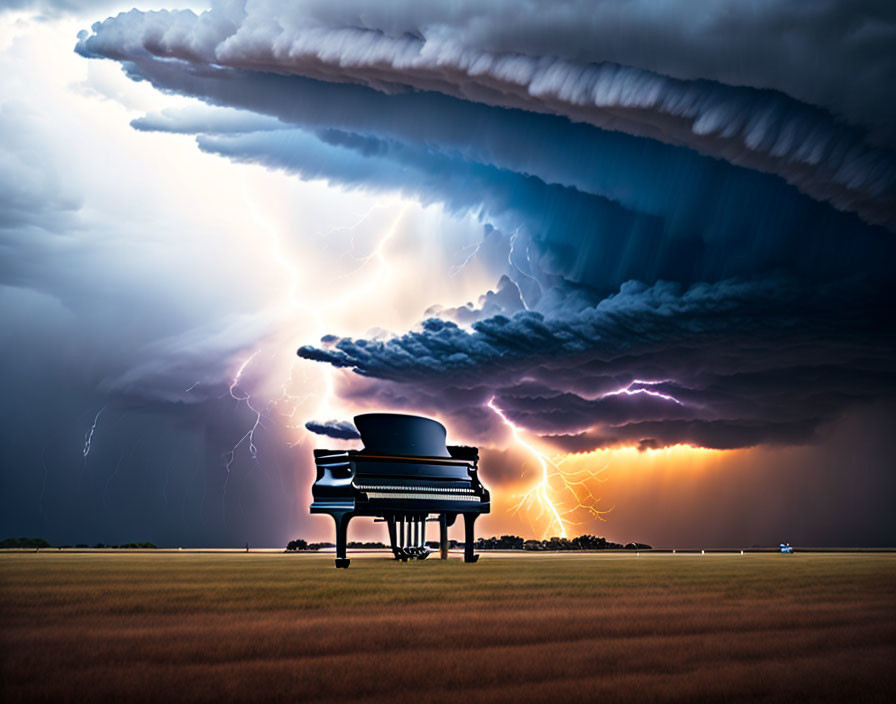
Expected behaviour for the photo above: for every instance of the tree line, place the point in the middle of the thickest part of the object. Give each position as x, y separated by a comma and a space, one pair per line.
581, 542
36, 543
505, 542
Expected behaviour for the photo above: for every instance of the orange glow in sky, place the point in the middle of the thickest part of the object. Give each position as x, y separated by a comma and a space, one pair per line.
565, 495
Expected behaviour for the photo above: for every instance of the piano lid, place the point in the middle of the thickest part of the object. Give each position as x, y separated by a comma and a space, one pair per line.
400, 434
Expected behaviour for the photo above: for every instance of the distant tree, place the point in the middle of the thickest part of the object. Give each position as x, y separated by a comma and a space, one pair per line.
505, 542
581, 542
510, 542
589, 542
297, 544
637, 546
556, 543
24, 543
435, 544
137, 546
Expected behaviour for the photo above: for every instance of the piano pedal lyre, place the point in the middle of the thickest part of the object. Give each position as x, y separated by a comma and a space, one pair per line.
407, 536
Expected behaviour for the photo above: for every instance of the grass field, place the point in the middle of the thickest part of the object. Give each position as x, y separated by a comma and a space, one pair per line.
254, 627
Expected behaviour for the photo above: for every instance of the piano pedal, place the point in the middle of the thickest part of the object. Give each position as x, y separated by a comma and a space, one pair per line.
342, 562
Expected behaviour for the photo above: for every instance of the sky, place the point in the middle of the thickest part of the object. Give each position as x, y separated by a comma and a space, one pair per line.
640, 255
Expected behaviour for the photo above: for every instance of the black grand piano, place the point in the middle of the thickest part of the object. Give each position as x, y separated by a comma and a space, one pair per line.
404, 473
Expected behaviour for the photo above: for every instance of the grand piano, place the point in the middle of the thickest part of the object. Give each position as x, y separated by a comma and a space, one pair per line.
404, 473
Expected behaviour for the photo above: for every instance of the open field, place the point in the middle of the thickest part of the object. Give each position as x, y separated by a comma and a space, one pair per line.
262, 627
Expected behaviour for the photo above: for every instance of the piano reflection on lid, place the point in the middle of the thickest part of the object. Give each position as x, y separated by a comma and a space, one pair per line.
404, 473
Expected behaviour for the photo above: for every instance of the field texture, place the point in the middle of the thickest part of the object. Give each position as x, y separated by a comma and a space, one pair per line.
254, 627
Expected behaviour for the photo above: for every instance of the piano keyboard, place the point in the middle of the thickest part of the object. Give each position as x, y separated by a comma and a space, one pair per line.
406, 496
414, 487
404, 492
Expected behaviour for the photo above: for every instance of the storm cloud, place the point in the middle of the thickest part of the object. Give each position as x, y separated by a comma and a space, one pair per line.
708, 222
734, 364
677, 91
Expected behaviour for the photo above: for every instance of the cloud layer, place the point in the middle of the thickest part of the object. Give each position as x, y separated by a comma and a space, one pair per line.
697, 232
734, 364
721, 86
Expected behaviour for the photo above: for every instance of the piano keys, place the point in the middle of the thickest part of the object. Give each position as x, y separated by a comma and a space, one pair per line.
404, 473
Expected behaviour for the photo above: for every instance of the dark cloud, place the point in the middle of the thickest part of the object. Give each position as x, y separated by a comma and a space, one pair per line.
639, 318
716, 434
340, 429
504, 300
734, 364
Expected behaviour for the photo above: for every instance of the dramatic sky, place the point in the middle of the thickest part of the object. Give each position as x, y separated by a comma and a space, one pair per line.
640, 253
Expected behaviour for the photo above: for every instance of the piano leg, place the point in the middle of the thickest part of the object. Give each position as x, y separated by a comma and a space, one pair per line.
392, 536
342, 520
443, 536
469, 537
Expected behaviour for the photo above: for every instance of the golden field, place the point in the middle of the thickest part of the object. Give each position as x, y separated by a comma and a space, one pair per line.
164, 626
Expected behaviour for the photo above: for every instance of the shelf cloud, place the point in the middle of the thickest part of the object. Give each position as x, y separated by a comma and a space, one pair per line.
725, 85
685, 210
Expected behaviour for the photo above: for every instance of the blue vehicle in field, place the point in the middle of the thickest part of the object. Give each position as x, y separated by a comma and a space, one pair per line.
786, 549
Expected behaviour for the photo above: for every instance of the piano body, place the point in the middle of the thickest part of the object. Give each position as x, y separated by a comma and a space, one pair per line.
404, 473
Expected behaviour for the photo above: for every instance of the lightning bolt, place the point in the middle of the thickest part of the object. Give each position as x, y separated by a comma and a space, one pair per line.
513, 264
628, 390
457, 268
244, 396
288, 403
358, 292
88, 436
558, 493
542, 495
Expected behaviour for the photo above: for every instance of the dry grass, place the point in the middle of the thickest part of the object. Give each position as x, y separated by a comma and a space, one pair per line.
238, 627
